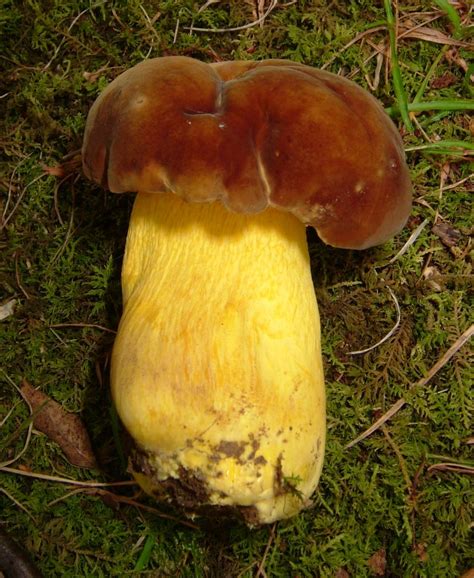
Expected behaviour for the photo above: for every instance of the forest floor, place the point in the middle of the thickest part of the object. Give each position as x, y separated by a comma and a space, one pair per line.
397, 503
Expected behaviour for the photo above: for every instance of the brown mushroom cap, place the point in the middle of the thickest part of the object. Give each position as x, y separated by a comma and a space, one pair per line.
254, 134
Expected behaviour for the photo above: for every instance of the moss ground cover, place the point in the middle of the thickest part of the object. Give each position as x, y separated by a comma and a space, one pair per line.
386, 506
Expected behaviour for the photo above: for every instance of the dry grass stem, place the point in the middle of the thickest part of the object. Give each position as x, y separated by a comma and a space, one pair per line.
389, 334
91, 325
452, 467
11, 461
262, 18
261, 566
60, 480
6, 218
19, 504
422, 382
411, 240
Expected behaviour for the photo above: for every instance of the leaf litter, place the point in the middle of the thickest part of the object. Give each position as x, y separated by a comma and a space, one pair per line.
60, 426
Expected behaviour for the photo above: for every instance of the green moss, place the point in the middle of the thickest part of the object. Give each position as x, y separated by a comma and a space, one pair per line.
61, 256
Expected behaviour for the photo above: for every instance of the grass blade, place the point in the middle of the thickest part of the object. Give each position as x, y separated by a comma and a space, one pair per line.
446, 105
452, 147
452, 14
145, 555
396, 74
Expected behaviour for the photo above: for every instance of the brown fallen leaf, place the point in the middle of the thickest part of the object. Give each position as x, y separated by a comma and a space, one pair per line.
445, 80
342, 573
62, 427
430, 35
468, 574
447, 234
378, 562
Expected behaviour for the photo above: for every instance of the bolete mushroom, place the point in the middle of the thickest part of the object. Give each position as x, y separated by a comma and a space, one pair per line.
216, 369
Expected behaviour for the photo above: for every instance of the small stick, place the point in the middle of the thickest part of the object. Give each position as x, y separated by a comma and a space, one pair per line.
91, 325
261, 566
60, 480
452, 467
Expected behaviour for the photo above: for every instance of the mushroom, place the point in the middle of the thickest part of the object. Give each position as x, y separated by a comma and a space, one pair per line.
216, 370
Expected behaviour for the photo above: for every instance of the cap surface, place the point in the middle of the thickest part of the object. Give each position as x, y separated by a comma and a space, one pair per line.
252, 135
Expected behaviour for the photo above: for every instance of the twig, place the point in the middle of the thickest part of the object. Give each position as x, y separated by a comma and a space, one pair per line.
132, 502
12, 409
67, 495
460, 341
10, 188
17, 276
261, 566
59, 480
55, 197
69, 231
389, 334
452, 467
19, 504
351, 42
70, 27
399, 455
91, 325
456, 184
207, 4
237, 28
7, 218
176, 29
30, 427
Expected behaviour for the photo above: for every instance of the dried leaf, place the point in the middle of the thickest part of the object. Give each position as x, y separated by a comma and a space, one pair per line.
378, 562
445, 80
430, 35
468, 574
341, 573
447, 234
7, 309
62, 427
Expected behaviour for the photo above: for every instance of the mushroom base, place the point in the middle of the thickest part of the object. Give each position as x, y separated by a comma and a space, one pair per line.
216, 370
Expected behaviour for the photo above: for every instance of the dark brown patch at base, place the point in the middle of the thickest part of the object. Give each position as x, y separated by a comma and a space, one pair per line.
187, 490
231, 449
189, 493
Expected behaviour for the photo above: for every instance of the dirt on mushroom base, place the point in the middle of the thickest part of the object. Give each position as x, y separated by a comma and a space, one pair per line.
187, 492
